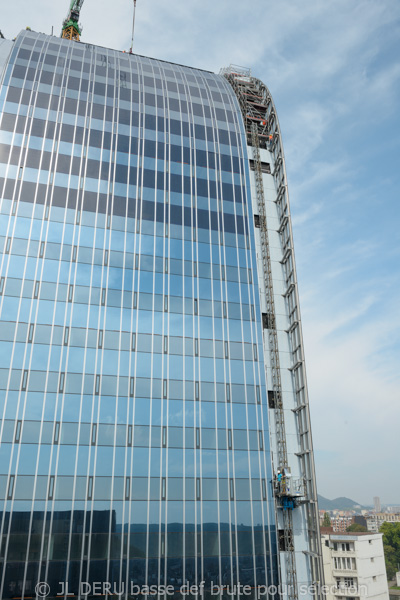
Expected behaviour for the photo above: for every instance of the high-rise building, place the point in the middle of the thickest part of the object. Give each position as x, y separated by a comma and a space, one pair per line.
377, 504
149, 330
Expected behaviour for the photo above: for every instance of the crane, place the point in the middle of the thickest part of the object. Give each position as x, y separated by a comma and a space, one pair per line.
133, 26
71, 29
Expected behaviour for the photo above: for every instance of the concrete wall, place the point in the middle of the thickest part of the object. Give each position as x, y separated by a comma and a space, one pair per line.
370, 572
286, 360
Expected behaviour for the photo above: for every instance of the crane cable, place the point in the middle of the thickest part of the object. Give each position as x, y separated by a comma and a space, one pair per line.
133, 25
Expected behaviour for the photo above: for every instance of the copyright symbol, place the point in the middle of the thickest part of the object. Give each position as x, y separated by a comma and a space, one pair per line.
42, 589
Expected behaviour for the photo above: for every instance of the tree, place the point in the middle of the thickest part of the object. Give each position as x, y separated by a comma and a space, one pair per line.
327, 520
356, 527
391, 547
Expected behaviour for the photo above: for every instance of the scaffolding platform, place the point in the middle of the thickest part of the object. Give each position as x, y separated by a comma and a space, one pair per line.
289, 493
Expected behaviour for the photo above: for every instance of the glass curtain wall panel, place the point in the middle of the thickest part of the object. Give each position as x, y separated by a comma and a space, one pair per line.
134, 442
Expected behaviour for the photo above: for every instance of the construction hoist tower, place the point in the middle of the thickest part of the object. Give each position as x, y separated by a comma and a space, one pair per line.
71, 29
294, 485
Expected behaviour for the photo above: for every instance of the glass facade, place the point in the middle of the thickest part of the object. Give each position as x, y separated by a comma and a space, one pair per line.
134, 418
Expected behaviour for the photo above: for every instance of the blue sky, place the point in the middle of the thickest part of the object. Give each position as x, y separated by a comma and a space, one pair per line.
333, 68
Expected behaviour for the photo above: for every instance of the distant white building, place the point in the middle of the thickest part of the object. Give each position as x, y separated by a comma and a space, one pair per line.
377, 504
354, 566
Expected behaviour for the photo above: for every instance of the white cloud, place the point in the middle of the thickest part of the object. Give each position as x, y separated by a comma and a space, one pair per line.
355, 405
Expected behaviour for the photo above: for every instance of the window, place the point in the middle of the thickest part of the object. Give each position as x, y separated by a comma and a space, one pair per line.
51, 488
61, 382
271, 399
129, 435
255, 355
93, 438
268, 321
90, 488
17, 435
56, 433
198, 489
97, 385
265, 167
346, 547
127, 488
24, 380
258, 394
10, 490
36, 290
228, 392
282, 540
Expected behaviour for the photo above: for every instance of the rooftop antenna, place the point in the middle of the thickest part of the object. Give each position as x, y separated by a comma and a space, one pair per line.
133, 25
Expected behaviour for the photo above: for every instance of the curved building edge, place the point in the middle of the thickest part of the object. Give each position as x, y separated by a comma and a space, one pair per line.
260, 119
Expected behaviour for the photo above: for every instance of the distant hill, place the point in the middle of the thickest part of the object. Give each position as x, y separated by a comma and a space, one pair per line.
338, 504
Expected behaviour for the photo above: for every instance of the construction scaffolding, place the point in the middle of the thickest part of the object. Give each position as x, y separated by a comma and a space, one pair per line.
263, 133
